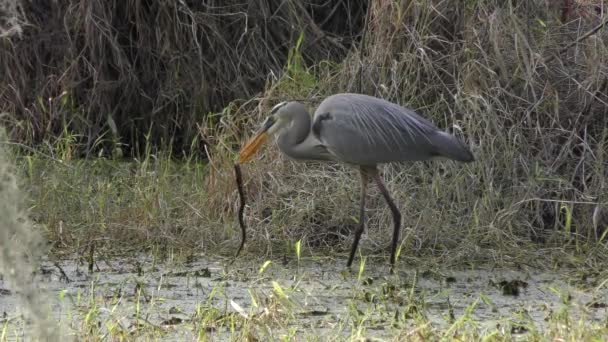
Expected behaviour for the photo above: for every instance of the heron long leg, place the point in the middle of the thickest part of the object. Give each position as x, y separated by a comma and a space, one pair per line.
361, 225
396, 216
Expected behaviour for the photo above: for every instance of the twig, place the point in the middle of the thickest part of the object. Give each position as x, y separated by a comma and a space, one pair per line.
62, 272
532, 199
38, 152
317, 31
91, 256
362, 46
598, 92
580, 39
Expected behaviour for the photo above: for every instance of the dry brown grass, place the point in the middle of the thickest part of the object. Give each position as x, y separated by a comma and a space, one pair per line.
526, 90
531, 104
111, 72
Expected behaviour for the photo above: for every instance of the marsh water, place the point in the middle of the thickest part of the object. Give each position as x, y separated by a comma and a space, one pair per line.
315, 296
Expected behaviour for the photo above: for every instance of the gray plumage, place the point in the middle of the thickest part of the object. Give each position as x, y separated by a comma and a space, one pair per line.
364, 131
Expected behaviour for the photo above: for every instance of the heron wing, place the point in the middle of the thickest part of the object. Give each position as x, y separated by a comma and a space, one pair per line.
366, 130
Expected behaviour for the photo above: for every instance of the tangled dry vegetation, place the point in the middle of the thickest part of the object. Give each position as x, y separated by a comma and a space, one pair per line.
527, 91
112, 72
523, 82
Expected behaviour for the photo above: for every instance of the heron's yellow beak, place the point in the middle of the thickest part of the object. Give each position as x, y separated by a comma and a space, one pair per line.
252, 146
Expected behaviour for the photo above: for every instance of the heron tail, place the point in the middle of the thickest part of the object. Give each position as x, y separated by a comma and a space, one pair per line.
451, 147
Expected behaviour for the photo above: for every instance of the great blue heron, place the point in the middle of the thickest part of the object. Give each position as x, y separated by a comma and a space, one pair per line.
359, 130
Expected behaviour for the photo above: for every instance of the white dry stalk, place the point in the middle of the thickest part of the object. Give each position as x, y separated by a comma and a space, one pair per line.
20, 250
11, 18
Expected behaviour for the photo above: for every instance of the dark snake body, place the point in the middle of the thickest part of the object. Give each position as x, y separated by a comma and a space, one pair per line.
239, 184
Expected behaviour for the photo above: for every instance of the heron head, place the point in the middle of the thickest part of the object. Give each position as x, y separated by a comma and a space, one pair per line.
270, 126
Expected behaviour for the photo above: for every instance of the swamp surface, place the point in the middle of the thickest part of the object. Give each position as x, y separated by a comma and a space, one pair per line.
207, 298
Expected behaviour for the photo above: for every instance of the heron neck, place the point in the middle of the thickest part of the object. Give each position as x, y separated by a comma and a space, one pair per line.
295, 133
298, 129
